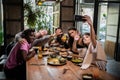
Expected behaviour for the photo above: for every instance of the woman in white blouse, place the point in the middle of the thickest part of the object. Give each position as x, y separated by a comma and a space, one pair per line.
95, 54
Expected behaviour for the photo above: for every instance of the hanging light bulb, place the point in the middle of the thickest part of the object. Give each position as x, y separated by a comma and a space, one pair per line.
40, 2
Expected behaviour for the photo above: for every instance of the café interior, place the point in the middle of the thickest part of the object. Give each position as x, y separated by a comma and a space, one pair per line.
105, 15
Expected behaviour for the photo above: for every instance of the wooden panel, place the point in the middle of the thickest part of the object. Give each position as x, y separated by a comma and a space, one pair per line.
66, 26
67, 13
110, 48
13, 27
13, 12
68, 3
13, 19
13, 1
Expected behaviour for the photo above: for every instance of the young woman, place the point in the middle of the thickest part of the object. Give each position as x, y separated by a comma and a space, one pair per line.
15, 65
95, 54
73, 43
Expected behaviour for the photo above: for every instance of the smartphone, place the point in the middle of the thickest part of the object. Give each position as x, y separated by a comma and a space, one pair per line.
79, 18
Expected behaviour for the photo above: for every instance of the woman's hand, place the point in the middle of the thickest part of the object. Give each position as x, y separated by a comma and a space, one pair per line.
88, 20
92, 32
76, 38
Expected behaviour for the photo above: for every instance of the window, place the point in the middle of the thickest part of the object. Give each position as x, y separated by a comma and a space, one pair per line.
1, 23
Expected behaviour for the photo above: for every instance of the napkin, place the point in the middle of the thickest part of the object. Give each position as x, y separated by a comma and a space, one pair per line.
87, 59
101, 56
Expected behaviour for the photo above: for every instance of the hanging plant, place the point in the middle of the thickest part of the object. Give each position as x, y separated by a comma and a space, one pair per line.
32, 19
29, 15
36, 17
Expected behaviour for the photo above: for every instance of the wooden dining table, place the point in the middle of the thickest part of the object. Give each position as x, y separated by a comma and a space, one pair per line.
39, 69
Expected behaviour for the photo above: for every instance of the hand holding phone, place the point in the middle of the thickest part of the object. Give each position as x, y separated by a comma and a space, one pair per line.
79, 18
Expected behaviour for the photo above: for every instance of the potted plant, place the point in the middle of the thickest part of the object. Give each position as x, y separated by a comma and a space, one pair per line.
36, 17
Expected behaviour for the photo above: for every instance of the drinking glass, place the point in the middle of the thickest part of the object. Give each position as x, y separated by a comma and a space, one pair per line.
64, 38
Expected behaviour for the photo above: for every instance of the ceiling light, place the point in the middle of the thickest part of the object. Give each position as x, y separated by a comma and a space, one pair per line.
40, 2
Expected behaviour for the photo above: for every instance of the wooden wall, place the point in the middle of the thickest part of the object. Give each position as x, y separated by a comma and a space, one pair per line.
67, 10
13, 19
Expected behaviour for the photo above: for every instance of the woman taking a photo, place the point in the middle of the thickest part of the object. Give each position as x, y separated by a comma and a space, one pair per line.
95, 54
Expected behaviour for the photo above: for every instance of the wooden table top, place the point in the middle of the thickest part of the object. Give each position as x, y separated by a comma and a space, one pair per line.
50, 72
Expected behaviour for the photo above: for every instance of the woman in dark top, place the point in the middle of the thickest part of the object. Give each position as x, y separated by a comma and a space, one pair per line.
73, 35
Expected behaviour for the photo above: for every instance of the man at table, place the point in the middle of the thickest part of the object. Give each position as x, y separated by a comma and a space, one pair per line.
58, 38
15, 65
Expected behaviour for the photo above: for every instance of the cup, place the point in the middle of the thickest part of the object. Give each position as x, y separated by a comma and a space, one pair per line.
64, 38
69, 57
40, 55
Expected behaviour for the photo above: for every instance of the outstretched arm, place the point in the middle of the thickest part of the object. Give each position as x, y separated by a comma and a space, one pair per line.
92, 32
77, 40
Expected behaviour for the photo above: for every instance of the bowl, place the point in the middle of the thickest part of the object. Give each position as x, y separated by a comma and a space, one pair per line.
69, 57
62, 60
77, 60
53, 55
87, 76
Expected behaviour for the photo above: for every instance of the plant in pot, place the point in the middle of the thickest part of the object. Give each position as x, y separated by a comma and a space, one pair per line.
36, 17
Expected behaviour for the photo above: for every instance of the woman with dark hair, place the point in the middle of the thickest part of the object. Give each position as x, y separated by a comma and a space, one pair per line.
95, 54
73, 43
15, 65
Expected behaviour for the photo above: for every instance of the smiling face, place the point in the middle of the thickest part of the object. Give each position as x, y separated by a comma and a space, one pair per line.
86, 39
58, 32
31, 37
72, 33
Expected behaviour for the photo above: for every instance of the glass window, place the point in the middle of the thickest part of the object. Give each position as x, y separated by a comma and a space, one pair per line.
84, 9
1, 23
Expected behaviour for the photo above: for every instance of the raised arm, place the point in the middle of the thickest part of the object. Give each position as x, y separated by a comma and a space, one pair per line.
77, 40
41, 41
92, 32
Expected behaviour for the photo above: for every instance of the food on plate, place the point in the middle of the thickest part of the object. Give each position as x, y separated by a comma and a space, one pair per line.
45, 49
51, 50
63, 49
62, 60
56, 61
53, 55
58, 48
35, 47
77, 60
63, 54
